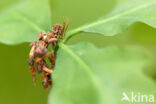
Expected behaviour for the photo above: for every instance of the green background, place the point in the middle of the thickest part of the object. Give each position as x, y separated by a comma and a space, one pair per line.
16, 85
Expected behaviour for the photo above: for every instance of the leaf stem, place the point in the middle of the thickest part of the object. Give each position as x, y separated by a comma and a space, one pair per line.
71, 34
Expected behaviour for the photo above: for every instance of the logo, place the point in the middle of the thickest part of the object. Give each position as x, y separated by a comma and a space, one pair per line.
137, 97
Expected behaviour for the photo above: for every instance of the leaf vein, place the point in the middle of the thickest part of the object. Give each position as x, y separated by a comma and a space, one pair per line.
30, 23
94, 78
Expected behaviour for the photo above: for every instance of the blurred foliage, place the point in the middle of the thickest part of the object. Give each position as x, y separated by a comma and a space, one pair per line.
24, 21
120, 18
16, 82
5, 3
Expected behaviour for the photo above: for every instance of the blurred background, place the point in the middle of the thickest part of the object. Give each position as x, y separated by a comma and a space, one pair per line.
16, 85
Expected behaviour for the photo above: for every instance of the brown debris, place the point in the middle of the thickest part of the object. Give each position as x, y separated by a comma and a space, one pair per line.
39, 52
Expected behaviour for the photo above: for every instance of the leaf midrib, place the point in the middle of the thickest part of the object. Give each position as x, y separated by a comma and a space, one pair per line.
131, 10
94, 78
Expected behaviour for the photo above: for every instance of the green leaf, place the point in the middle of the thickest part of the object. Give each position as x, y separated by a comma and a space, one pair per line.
87, 75
126, 13
22, 21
